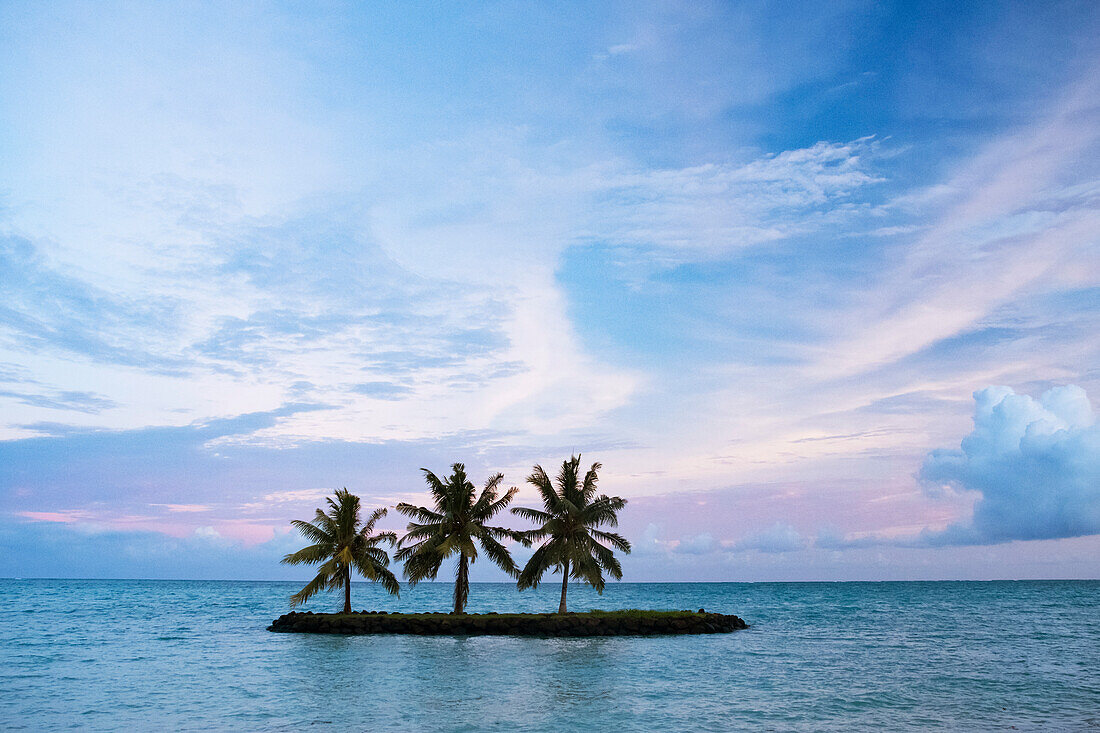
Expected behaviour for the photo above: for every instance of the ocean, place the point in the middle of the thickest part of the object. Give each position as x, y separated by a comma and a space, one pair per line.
195, 655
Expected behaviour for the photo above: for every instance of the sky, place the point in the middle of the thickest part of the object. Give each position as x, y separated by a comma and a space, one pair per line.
818, 286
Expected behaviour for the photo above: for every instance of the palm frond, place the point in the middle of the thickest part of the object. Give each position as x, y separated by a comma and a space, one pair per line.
390, 537
615, 540
541, 561
420, 532
368, 526
385, 578
499, 554
604, 510
377, 555
541, 481
340, 542
422, 565
309, 555
591, 478
495, 507
503, 533
569, 525
312, 532
531, 515
567, 478
326, 523
421, 513
606, 560
436, 487
586, 568
322, 581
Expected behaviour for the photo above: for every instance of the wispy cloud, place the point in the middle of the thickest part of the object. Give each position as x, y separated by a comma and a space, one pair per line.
186, 508
1016, 234
758, 263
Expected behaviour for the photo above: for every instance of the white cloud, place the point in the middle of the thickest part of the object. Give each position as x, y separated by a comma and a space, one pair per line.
1035, 463
780, 537
297, 495
209, 534
1012, 222
700, 544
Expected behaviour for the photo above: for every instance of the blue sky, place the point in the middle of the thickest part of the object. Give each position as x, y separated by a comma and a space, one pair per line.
820, 287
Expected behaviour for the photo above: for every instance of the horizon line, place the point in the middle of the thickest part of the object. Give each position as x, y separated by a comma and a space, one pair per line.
581, 583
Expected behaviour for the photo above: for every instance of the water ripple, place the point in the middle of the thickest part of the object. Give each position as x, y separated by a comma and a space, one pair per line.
183, 655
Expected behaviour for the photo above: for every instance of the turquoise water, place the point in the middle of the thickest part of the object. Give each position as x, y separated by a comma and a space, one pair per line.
194, 655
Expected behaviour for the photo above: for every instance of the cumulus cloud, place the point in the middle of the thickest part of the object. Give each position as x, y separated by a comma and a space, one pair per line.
700, 544
780, 537
1035, 463
649, 542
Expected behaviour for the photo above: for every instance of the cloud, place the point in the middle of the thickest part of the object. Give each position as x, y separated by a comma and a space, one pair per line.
70, 516
382, 390
780, 537
210, 535
44, 310
164, 479
711, 209
296, 495
65, 550
700, 544
1035, 463
649, 542
225, 219
76, 401
1020, 236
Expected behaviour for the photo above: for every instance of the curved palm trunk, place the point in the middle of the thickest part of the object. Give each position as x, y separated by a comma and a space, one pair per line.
462, 584
347, 589
564, 586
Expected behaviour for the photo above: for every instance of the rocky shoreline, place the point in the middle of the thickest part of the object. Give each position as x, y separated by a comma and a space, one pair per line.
610, 623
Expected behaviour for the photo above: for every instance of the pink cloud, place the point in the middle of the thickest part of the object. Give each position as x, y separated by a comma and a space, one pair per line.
246, 531
858, 507
66, 516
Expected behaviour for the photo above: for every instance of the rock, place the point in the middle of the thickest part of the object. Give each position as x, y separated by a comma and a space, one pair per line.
572, 624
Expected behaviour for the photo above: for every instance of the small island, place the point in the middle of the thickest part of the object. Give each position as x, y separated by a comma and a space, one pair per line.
455, 525
592, 623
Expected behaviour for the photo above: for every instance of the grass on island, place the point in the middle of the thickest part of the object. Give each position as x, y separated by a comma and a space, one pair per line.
629, 613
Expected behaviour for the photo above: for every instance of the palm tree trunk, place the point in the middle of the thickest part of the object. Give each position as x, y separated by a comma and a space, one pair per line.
564, 586
462, 584
347, 590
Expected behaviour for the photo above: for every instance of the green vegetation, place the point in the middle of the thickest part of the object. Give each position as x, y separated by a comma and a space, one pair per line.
570, 517
341, 543
628, 613
456, 526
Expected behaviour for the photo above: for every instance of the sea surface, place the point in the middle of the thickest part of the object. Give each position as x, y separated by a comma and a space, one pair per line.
195, 655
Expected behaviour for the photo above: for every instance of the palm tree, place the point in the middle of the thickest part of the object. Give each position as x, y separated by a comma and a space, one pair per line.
570, 518
341, 543
452, 527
